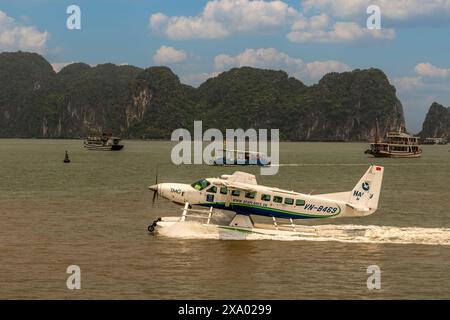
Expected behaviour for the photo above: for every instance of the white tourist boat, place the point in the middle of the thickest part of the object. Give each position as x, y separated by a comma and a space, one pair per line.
397, 144
103, 143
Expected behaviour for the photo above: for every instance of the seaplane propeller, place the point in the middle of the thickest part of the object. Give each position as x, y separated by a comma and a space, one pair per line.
155, 188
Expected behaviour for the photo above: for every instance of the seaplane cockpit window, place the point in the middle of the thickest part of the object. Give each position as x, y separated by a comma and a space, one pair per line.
236, 193
299, 203
277, 199
265, 197
224, 190
213, 189
250, 195
201, 184
289, 201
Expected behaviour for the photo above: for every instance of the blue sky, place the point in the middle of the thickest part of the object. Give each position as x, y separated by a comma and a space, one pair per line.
199, 39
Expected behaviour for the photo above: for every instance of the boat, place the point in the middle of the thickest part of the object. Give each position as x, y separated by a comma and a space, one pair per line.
104, 143
241, 158
428, 141
434, 141
397, 144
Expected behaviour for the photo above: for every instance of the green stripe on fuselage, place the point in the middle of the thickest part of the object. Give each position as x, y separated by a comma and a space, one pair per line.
236, 204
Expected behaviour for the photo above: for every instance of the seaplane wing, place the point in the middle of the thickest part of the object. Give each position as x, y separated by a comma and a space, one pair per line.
292, 193
237, 186
240, 177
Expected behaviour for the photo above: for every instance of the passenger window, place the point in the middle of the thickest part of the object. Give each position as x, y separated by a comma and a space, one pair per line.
213, 189
265, 197
236, 193
210, 197
224, 190
289, 201
277, 199
250, 195
300, 203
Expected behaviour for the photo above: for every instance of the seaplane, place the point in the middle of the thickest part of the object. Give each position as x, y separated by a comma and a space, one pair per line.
241, 195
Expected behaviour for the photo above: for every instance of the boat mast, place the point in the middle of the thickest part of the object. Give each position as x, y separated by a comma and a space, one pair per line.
376, 130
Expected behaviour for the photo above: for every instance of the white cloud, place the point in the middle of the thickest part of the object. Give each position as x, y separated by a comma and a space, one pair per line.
157, 22
222, 18
307, 31
395, 10
314, 23
259, 58
14, 36
317, 69
412, 84
273, 59
438, 81
429, 70
197, 79
408, 83
166, 55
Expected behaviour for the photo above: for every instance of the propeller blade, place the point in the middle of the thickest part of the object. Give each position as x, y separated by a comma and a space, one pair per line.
156, 192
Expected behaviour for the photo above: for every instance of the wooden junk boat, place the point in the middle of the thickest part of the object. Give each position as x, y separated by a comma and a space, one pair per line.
104, 143
397, 144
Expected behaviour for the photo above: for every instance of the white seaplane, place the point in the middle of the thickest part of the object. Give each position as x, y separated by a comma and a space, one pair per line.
240, 194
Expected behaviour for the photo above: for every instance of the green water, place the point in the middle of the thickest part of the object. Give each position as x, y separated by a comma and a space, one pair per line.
94, 213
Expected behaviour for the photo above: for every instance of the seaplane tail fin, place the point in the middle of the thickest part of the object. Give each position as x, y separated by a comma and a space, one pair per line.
366, 194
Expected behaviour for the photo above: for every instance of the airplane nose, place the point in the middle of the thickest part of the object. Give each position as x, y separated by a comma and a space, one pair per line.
153, 187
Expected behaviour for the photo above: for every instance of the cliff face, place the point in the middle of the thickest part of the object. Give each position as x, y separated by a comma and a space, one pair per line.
250, 98
26, 85
80, 100
37, 102
93, 99
341, 107
437, 122
346, 106
158, 104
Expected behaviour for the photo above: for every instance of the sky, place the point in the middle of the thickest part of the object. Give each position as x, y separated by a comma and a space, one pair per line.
198, 39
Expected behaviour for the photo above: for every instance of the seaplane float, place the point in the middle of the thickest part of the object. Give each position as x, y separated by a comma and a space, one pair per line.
241, 195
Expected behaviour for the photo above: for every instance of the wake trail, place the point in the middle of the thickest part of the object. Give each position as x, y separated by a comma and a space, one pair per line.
350, 164
338, 233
